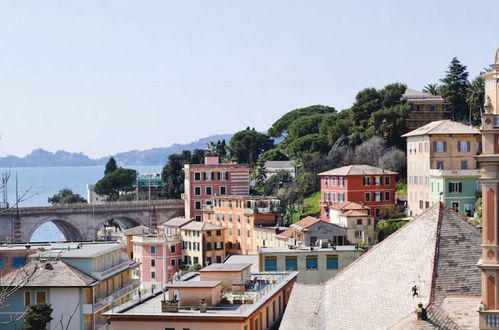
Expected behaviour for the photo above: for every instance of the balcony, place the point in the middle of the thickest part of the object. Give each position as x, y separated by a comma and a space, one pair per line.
455, 173
208, 207
263, 210
156, 239
115, 269
100, 303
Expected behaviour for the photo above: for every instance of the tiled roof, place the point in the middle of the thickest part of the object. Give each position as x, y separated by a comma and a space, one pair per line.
198, 225
138, 230
354, 213
177, 222
437, 251
193, 284
443, 127
306, 222
58, 274
227, 267
358, 170
346, 206
286, 234
415, 94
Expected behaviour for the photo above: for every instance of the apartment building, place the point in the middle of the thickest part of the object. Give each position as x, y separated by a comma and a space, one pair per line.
203, 243
239, 215
368, 185
441, 166
225, 296
204, 181
355, 218
425, 108
79, 280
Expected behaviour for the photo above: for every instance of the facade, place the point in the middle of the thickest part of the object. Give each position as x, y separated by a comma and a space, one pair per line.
172, 227
425, 108
149, 184
80, 279
437, 253
239, 215
310, 231
441, 145
203, 243
204, 181
315, 265
237, 300
159, 256
371, 186
274, 166
355, 219
489, 164
93, 197
265, 236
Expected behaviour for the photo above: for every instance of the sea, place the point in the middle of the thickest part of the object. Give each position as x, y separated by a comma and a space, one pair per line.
40, 183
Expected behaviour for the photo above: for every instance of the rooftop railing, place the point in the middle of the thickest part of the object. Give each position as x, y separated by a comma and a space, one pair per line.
115, 269
100, 303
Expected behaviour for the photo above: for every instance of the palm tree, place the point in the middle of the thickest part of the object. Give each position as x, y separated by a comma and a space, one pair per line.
431, 89
476, 98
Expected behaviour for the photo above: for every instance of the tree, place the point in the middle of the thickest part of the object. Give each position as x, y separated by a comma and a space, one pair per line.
370, 151
281, 178
66, 196
37, 317
110, 166
432, 89
308, 144
259, 174
476, 99
272, 154
304, 126
217, 148
173, 172
112, 184
390, 123
455, 89
395, 160
282, 124
248, 145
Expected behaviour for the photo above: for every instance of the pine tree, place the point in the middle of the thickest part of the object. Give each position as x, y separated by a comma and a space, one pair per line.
37, 317
455, 89
110, 166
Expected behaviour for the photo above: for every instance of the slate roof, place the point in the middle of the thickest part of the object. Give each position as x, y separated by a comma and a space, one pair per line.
60, 275
357, 170
279, 164
415, 94
443, 127
437, 251
138, 230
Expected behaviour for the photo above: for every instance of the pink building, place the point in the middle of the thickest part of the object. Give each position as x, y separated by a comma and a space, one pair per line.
203, 181
159, 256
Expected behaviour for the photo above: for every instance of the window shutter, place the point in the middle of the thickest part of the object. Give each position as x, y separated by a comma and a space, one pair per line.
459, 146
445, 146
450, 187
460, 187
226, 175
434, 146
468, 146
218, 175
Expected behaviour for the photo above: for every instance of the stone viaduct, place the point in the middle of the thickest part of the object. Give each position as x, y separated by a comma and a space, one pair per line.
80, 222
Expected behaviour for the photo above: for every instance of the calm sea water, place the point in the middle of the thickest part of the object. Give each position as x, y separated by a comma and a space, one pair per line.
43, 182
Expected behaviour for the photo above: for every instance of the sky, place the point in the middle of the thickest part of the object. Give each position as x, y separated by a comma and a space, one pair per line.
102, 77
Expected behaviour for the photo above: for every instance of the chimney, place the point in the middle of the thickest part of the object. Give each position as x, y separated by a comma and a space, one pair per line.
211, 160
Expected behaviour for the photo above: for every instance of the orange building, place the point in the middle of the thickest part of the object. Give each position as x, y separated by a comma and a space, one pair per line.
425, 108
240, 214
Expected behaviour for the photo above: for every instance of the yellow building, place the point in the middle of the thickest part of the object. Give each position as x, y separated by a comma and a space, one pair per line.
203, 243
425, 108
443, 145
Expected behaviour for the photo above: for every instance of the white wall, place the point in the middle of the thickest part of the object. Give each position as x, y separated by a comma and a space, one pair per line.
64, 301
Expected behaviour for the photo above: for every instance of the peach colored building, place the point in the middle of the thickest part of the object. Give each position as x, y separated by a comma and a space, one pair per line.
204, 181
425, 108
240, 215
355, 218
203, 243
257, 303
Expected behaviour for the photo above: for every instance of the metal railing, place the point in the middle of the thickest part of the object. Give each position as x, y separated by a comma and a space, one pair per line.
100, 303
119, 267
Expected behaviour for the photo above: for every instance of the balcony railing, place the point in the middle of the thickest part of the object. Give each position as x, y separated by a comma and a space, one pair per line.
100, 303
157, 239
437, 172
260, 210
115, 269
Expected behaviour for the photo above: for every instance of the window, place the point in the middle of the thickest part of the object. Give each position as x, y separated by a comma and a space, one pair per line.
367, 181
197, 191
238, 232
197, 205
359, 222
311, 262
463, 146
326, 196
248, 233
387, 180
197, 176
387, 196
219, 232
223, 176
195, 260
332, 262
341, 181
223, 190
333, 181
333, 197
377, 196
367, 197
152, 249
208, 191
208, 260
197, 218
440, 165
326, 181
40, 296
27, 298
208, 246
219, 259
291, 263
173, 262
377, 212
18, 262
377, 180
455, 187
341, 197
439, 146
358, 234
464, 164
208, 233
432, 108
1, 263
270, 264
153, 262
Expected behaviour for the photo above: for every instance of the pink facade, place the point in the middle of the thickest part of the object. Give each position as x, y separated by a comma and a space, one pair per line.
204, 181
374, 189
159, 256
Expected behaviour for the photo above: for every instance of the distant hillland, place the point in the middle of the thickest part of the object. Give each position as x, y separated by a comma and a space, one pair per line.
155, 156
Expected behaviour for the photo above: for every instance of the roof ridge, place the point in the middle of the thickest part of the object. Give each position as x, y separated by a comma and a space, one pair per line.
75, 272
436, 254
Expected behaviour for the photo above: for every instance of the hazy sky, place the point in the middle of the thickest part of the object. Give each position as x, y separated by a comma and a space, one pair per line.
102, 77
